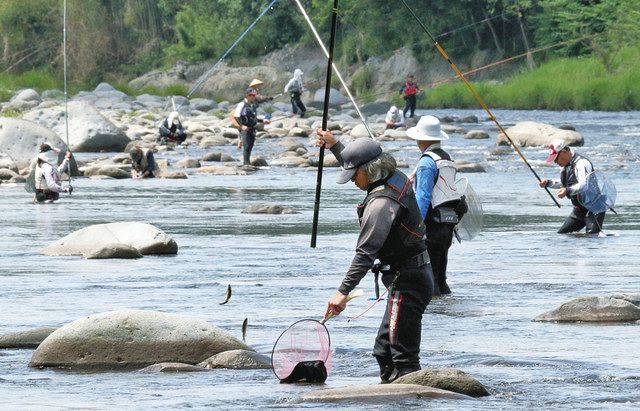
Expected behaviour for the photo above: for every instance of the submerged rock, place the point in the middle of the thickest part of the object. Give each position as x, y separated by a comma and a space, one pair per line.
268, 209
25, 339
381, 393
449, 379
145, 238
113, 250
611, 308
172, 367
128, 338
237, 359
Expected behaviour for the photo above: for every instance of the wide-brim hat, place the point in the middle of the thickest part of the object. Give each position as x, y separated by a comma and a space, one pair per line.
427, 129
356, 154
255, 82
50, 157
555, 148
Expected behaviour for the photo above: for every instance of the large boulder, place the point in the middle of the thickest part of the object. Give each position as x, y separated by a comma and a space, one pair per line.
25, 339
611, 308
382, 393
89, 131
146, 238
530, 133
335, 97
449, 379
132, 338
21, 139
238, 360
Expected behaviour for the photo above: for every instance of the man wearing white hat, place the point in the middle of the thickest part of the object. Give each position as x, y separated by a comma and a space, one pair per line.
394, 119
439, 201
47, 174
172, 128
573, 178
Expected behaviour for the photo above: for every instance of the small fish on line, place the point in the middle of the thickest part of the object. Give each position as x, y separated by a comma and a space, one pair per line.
245, 323
227, 296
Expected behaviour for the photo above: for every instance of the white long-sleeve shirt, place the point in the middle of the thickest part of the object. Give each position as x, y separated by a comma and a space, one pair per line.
578, 166
51, 177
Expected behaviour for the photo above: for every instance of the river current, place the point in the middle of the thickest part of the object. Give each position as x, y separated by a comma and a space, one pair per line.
517, 268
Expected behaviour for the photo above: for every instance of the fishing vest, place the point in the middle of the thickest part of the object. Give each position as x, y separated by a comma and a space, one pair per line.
410, 89
143, 165
296, 87
568, 176
247, 115
407, 236
445, 189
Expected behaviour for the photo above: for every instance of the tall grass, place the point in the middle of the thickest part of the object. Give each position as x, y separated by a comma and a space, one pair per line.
561, 84
37, 79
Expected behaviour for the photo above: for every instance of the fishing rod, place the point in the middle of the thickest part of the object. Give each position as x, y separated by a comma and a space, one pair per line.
325, 116
478, 98
335, 69
64, 64
206, 75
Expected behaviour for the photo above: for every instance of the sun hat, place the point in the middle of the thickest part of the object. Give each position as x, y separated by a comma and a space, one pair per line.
555, 148
50, 157
356, 154
393, 109
427, 129
255, 82
174, 118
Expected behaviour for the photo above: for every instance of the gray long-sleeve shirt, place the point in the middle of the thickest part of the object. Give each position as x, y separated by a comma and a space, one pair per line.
377, 221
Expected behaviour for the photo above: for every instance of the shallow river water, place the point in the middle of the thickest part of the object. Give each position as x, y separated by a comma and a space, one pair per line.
517, 268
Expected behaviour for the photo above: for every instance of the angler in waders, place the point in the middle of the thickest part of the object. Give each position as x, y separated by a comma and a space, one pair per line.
172, 129
143, 164
392, 231
440, 203
409, 91
573, 177
47, 174
246, 119
295, 87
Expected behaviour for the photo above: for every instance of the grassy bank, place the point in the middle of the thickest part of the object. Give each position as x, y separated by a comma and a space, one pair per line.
562, 84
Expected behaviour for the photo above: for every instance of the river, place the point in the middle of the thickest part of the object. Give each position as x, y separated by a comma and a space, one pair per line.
517, 268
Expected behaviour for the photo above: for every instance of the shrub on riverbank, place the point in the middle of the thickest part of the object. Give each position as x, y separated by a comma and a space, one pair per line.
562, 84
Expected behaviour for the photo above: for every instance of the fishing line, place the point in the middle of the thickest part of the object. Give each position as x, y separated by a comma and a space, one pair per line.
335, 69
64, 64
478, 98
204, 77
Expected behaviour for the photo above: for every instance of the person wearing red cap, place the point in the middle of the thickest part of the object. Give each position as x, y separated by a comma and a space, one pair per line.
573, 177
246, 117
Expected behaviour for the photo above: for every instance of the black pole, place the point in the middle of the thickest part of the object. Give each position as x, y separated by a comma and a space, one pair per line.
325, 115
477, 97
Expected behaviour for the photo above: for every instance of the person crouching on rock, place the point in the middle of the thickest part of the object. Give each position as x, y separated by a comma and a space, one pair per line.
143, 164
47, 174
171, 128
392, 231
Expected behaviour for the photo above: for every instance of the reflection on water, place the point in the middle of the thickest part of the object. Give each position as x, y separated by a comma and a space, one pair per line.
516, 269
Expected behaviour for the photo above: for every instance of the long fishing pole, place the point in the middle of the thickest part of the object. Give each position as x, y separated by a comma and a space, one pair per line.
206, 75
64, 64
325, 116
335, 69
477, 97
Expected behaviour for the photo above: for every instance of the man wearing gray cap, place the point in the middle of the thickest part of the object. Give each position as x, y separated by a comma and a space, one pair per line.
392, 231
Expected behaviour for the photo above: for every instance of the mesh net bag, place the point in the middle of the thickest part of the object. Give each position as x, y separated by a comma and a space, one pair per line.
598, 194
302, 353
471, 223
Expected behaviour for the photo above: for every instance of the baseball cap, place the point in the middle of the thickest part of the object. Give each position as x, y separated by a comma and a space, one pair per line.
356, 154
555, 148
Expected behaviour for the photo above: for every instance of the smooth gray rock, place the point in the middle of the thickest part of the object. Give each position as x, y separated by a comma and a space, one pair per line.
217, 156
335, 97
467, 167
25, 339
188, 162
238, 359
611, 308
381, 393
89, 131
531, 133
476, 134
449, 379
146, 238
6, 174
21, 139
128, 338
114, 250
172, 367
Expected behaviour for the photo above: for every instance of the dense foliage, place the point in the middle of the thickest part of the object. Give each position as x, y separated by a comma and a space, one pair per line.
115, 40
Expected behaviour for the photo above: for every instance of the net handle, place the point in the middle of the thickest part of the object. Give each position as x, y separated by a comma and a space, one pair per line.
353, 294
